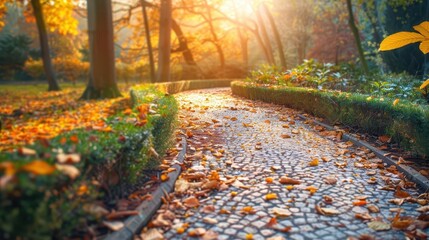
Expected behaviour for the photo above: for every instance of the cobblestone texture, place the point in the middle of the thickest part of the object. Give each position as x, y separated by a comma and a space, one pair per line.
258, 150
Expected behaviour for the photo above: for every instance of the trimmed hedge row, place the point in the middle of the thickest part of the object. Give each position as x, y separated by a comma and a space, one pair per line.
39, 200
406, 123
180, 86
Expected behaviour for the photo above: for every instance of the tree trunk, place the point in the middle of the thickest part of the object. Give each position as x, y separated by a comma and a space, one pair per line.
148, 42
265, 38
102, 79
44, 46
355, 32
183, 44
215, 40
164, 44
276, 36
243, 40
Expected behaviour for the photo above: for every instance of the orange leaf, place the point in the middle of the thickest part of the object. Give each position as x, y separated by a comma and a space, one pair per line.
314, 162
359, 203
248, 210
39, 167
401, 194
269, 180
74, 139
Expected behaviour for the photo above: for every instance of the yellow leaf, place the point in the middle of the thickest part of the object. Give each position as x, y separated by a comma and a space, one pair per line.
424, 46
395, 102
249, 236
400, 39
423, 28
248, 210
39, 167
425, 84
271, 196
314, 163
311, 189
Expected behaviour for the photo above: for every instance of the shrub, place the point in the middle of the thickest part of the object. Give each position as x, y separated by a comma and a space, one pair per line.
344, 77
13, 54
41, 198
70, 68
407, 123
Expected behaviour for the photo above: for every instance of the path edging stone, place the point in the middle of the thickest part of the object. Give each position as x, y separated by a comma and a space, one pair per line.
413, 175
149, 207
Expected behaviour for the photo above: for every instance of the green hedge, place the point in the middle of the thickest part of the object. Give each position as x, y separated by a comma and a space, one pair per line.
37, 206
406, 123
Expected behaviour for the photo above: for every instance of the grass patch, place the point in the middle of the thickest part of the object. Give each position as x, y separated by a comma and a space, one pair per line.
405, 122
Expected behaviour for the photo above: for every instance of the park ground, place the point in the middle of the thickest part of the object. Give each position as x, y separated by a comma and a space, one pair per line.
257, 171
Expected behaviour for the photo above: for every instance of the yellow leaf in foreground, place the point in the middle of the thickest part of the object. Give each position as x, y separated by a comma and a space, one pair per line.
39, 167
249, 236
424, 47
424, 85
423, 28
400, 39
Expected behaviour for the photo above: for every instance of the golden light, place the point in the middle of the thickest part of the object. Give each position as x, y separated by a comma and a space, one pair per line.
237, 8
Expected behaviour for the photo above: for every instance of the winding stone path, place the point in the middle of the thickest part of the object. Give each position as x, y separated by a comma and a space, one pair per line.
252, 142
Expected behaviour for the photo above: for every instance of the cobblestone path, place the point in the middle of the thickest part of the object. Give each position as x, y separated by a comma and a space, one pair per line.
255, 171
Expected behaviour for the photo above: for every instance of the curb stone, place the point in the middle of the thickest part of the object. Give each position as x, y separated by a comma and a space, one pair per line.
413, 175
148, 208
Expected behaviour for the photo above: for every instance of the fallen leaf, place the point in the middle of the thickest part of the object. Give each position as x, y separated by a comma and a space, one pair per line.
314, 162
26, 151
269, 180
114, 226
224, 211
373, 209
285, 136
363, 216
401, 194
249, 236
248, 210
379, 226
286, 180
208, 209
38, 167
69, 170
331, 180
181, 186
326, 211
328, 199
311, 189
271, 196
152, 234
68, 158
423, 209
359, 203
281, 212
210, 235
209, 220
191, 202
197, 232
